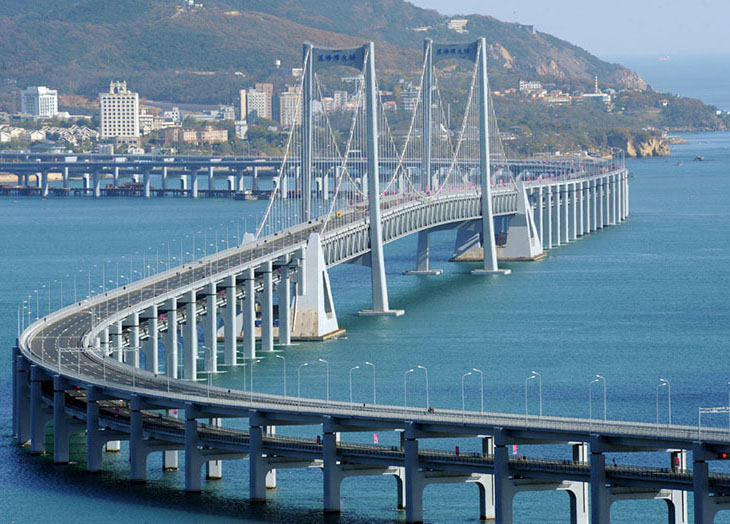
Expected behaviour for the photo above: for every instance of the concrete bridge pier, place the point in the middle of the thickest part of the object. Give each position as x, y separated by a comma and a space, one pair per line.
97, 184
557, 217
249, 314
151, 346
593, 192
63, 426
96, 437
22, 403
230, 320
190, 337
414, 483
193, 184
565, 233
548, 240
170, 340
537, 213
131, 355
266, 300
580, 208
257, 468
600, 190
211, 178
140, 447
572, 233
284, 294
115, 178
240, 182
423, 256
503, 488
40, 414
169, 457
86, 182
164, 181
210, 328
146, 184
214, 468
44, 184
523, 240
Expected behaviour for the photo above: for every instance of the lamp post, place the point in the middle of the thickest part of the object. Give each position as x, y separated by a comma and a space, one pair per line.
539, 381
603, 379
299, 383
481, 387
252, 365
373, 366
405, 388
351, 370
284, 373
428, 401
327, 374
463, 397
664, 382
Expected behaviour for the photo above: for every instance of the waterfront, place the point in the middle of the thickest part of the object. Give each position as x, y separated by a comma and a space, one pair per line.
636, 302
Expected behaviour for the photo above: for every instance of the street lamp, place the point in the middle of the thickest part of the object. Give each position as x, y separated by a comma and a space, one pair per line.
603, 379
463, 398
327, 371
428, 402
664, 382
373, 366
299, 383
252, 364
405, 388
481, 386
284, 373
539, 381
351, 370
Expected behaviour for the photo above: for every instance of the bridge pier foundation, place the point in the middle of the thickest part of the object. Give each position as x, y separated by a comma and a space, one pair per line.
97, 184
249, 314
537, 214
63, 426
573, 229
193, 184
423, 257
169, 457
257, 468
164, 181
581, 208
210, 328
44, 184
414, 481
40, 415
332, 474
230, 320
211, 178
95, 436
146, 184
214, 468
503, 488
190, 337
600, 496
523, 240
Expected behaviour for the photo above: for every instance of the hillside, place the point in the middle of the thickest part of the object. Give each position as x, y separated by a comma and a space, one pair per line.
167, 52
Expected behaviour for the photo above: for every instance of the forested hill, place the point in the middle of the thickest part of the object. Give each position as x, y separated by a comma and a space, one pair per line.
169, 52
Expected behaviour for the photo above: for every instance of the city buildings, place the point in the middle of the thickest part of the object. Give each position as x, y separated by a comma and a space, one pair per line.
39, 102
259, 103
290, 109
119, 114
198, 135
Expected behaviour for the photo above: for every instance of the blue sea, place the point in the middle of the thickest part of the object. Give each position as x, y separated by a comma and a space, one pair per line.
644, 300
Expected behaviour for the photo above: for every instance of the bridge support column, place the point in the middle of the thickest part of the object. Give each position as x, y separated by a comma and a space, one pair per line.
230, 331
115, 180
214, 468
240, 184
164, 181
151, 345
258, 468
557, 217
523, 241
267, 309
332, 474
210, 325
94, 445
170, 341
414, 478
538, 215
44, 184
284, 292
600, 190
97, 184
423, 256
137, 454
169, 457
211, 178
190, 337
314, 310
503, 488
486, 485
63, 426
704, 509
581, 208
578, 492
549, 218
22, 398
132, 357
65, 178
193, 184
249, 314
565, 233
40, 415
193, 457
573, 229
146, 184
600, 496
593, 192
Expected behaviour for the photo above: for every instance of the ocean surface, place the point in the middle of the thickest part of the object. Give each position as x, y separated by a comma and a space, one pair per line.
644, 300
706, 77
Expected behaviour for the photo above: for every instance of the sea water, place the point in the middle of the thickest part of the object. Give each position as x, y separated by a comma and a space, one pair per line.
643, 300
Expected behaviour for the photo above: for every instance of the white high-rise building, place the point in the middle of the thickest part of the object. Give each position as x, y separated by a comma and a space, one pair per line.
39, 102
290, 109
243, 108
259, 102
119, 113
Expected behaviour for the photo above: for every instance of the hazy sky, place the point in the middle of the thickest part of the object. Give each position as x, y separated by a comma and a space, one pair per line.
614, 27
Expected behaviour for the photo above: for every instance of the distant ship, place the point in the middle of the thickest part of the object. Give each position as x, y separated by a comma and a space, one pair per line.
664, 58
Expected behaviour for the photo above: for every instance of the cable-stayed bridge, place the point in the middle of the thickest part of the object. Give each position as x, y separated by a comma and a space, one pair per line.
339, 198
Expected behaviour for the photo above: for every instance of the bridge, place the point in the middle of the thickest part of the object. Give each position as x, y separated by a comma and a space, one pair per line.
123, 365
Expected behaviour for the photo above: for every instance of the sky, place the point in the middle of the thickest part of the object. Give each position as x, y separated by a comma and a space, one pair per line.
614, 28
